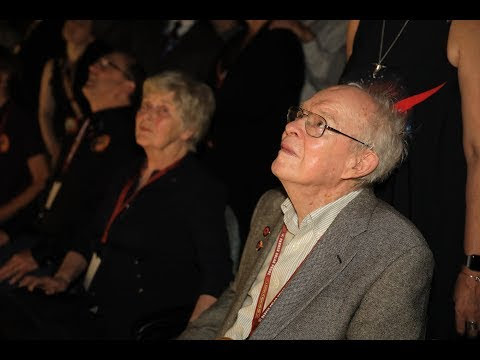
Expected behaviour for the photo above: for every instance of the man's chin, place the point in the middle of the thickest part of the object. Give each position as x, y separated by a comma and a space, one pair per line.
87, 91
275, 168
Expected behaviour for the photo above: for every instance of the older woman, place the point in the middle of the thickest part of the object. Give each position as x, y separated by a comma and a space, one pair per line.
163, 250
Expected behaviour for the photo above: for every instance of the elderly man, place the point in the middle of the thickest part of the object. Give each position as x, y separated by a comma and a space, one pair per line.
328, 260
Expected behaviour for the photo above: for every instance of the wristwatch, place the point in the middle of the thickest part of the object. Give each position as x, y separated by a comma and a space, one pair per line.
473, 262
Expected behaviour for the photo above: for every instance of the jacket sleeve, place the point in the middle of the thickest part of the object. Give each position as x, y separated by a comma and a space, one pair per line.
396, 304
207, 326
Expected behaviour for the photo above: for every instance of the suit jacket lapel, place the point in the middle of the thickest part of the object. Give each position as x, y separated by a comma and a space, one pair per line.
252, 260
332, 253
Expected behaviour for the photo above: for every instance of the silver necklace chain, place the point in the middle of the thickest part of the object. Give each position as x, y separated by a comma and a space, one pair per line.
378, 65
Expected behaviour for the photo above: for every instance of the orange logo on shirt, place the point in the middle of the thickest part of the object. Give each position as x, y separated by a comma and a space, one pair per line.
100, 143
71, 125
4, 143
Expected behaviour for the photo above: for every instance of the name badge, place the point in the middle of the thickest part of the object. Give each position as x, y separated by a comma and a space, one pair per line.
92, 269
53, 194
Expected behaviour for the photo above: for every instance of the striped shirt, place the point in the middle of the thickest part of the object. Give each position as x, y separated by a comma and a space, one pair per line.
298, 243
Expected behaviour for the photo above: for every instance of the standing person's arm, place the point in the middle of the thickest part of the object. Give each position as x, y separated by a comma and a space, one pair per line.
46, 109
351, 31
323, 43
464, 53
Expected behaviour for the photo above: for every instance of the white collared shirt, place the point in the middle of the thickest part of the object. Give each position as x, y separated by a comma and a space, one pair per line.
185, 25
298, 243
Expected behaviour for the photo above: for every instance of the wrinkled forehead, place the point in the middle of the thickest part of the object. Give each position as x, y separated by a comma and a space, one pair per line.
340, 102
160, 95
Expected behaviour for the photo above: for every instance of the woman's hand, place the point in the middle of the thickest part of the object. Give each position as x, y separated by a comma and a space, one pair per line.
50, 285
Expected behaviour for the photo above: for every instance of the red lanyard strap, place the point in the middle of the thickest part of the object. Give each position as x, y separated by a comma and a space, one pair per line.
266, 282
260, 313
123, 203
75, 145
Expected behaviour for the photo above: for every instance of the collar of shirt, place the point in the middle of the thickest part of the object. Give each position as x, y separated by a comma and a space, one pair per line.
185, 25
318, 220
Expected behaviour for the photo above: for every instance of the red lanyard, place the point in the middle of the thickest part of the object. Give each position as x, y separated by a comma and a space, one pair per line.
123, 203
76, 143
259, 312
257, 316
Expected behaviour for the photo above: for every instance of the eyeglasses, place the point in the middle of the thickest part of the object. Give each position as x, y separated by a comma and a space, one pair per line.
105, 63
315, 125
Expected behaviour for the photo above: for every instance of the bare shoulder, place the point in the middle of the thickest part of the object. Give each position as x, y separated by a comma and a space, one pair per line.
462, 39
352, 27
49, 65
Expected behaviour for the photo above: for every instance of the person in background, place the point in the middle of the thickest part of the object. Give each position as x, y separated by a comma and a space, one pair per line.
23, 162
160, 236
249, 94
323, 43
70, 200
438, 187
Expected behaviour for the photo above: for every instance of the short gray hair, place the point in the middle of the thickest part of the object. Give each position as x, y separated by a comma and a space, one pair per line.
385, 130
194, 100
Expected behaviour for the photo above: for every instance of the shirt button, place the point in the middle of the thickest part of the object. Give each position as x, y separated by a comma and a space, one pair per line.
139, 276
140, 290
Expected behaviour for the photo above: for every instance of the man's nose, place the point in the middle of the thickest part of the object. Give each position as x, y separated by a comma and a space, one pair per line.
295, 127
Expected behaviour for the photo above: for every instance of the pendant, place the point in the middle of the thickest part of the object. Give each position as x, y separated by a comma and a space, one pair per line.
378, 67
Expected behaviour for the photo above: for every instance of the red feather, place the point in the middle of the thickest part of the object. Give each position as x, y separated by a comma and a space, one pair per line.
408, 103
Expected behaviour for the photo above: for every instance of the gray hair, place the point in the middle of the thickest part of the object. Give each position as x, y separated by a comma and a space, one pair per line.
385, 130
194, 100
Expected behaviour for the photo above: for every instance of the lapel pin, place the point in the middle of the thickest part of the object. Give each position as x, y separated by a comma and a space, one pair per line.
259, 245
266, 231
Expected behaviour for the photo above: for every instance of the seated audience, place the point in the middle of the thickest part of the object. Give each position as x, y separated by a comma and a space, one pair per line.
160, 245
105, 143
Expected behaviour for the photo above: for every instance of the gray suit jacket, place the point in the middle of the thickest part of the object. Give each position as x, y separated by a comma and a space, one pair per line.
367, 278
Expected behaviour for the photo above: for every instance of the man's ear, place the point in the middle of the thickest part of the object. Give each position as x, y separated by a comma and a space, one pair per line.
362, 164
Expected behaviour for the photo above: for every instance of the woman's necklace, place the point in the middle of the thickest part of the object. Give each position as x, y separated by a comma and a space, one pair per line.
378, 65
